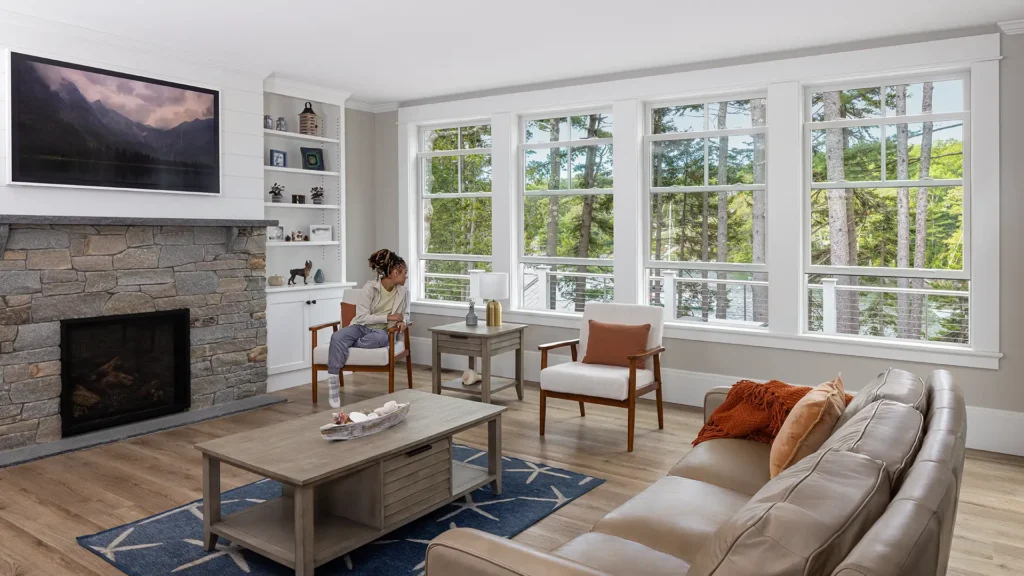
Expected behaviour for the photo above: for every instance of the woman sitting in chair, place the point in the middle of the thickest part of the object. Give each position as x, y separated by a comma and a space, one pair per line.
382, 302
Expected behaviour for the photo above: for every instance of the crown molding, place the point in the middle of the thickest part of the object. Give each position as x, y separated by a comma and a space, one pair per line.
303, 90
372, 108
1012, 27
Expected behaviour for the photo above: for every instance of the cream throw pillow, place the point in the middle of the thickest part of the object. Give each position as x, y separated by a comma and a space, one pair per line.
808, 425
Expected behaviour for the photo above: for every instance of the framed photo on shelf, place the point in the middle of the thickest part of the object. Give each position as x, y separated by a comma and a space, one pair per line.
278, 158
312, 158
320, 233
275, 233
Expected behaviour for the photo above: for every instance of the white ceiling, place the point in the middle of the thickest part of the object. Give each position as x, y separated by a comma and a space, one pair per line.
401, 50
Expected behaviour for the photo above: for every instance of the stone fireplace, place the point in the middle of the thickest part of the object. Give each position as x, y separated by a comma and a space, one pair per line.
61, 275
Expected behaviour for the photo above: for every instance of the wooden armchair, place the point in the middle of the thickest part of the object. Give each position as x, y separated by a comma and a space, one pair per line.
607, 385
362, 359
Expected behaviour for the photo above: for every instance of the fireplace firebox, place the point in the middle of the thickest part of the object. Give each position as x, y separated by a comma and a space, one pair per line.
121, 369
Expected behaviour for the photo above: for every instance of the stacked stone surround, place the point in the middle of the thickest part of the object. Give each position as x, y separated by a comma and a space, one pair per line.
50, 273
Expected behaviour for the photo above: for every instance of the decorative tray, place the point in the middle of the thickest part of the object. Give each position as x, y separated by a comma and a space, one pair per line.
367, 425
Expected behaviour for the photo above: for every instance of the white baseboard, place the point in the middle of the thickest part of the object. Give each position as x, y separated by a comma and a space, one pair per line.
987, 428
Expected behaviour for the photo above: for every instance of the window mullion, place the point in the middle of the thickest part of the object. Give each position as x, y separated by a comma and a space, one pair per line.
626, 204
784, 225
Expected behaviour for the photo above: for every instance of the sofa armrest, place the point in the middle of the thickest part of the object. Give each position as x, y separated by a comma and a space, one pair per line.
713, 399
468, 552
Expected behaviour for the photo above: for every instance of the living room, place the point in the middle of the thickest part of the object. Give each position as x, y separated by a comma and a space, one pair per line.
450, 288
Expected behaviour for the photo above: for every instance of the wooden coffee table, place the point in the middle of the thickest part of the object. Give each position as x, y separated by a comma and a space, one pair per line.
340, 495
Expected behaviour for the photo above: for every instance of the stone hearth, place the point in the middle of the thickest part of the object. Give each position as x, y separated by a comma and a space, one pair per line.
57, 271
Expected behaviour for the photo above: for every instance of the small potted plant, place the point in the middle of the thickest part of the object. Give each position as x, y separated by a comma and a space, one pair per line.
317, 193
276, 193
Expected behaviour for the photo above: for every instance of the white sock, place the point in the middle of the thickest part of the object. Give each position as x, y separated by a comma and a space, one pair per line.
334, 394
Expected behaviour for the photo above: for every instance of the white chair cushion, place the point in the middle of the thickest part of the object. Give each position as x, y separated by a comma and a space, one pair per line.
359, 356
628, 314
592, 379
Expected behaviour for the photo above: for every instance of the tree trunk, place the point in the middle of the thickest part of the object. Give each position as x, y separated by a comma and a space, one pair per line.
589, 182
905, 326
921, 221
847, 305
656, 208
722, 289
554, 183
757, 117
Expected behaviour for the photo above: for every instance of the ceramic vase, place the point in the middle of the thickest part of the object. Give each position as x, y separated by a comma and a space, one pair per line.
318, 278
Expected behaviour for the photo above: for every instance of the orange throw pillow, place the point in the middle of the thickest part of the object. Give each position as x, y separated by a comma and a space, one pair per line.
611, 344
808, 425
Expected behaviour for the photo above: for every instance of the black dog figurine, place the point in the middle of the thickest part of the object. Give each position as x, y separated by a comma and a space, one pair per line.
304, 272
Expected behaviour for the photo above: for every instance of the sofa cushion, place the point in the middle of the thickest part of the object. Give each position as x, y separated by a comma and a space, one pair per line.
611, 344
733, 463
808, 425
620, 557
886, 431
804, 521
674, 515
893, 384
359, 356
591, 379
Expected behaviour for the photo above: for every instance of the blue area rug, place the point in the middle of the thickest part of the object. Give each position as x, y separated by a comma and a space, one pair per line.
172, 542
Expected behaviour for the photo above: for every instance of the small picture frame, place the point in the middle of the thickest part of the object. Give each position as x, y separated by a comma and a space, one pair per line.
312, 158
298, 198
320, 233
275, 233
278, 158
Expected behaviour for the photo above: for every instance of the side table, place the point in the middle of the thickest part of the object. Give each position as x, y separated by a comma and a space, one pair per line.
485, 342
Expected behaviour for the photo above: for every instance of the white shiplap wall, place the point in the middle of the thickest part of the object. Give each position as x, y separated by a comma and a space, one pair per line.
241, 113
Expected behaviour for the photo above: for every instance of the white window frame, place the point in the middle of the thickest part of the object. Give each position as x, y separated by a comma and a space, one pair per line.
883, 121
522, 194
422, 255
784, 81
649, 190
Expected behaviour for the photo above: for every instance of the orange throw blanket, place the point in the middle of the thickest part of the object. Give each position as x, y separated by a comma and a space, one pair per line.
753, 411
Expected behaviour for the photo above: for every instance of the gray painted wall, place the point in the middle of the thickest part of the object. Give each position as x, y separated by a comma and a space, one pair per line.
1000, 389
386, 180
360, 207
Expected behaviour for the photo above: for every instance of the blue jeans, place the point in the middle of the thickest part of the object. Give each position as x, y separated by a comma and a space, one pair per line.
352, 336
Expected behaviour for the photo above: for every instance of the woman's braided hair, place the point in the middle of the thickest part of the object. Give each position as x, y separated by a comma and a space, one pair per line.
383, 261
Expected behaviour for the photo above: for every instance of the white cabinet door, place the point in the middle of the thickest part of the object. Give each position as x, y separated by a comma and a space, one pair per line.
322, 311
287, 336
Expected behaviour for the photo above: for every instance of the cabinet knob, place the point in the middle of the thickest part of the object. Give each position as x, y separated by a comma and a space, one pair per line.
314, 301
307, 302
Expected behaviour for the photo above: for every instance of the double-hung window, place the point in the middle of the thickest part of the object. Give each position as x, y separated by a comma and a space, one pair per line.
705, 186
888, 253
567, 228
455, 208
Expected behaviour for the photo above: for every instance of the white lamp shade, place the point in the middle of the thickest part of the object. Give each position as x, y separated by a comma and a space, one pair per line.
493, 285
474, 284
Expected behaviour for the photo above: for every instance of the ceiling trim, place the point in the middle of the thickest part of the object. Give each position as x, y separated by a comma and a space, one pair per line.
1012, 27
302, 90
370, 107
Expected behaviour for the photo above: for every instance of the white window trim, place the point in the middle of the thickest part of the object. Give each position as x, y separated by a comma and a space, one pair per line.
979, 54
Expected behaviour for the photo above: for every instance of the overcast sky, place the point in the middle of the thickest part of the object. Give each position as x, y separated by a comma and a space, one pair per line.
152, 104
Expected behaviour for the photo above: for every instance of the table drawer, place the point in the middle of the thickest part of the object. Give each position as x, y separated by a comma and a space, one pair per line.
457, 345
416, 459
417, 480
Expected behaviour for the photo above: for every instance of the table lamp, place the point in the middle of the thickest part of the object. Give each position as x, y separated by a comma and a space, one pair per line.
494, 287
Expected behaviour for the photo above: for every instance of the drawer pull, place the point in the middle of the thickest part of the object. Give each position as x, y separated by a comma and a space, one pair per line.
458, 337
419, 450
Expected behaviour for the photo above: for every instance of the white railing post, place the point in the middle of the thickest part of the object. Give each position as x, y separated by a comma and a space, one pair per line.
544, 273
668, 294
828, 305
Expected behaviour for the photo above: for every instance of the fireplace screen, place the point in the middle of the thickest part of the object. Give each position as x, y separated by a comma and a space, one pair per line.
121, 369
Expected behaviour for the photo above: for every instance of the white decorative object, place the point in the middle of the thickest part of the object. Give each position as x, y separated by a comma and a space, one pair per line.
470, 377
320, 232
365, 425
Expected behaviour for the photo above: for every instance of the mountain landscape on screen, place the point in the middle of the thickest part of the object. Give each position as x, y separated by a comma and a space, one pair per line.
80, 126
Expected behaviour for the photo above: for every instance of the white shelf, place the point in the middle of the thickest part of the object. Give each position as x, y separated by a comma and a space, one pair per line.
299, 171
300, 286
297, 136
306, 206
300, 244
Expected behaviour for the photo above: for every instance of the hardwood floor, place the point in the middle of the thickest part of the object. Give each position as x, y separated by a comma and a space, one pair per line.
44, 505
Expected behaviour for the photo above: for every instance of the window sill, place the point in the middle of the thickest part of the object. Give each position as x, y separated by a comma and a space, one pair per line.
942, 355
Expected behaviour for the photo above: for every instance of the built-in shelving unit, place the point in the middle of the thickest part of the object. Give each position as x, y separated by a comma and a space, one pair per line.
286, 170
297, 136
303, 244
302, 206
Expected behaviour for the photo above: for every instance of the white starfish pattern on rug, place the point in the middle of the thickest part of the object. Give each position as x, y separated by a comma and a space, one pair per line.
536, 470
115, 545
193, 508
479, 454
559, 499
469, 504
231, 551
419, 567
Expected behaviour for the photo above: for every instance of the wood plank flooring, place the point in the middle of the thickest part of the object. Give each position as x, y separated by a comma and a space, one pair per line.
44, 505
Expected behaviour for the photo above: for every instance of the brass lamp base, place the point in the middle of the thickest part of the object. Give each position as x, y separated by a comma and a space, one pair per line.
494, 313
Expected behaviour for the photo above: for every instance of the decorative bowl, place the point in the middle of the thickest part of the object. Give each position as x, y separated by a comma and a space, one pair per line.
355, 430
